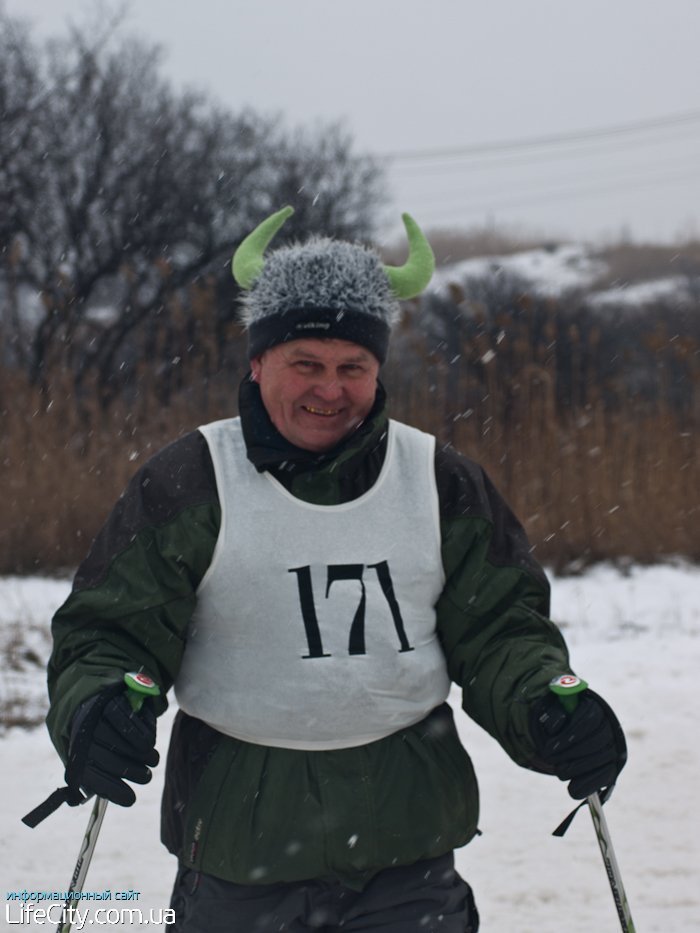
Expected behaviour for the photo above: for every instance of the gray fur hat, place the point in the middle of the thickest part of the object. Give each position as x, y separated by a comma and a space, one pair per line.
324, 288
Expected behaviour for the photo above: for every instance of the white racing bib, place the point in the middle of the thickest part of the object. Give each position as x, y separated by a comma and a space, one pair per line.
315, 625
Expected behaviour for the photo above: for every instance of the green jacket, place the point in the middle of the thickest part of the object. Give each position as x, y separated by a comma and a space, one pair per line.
250, 813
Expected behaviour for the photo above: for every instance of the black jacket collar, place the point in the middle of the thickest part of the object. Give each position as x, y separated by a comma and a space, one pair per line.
268, 450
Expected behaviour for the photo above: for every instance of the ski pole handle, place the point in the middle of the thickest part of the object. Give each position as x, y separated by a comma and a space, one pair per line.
138, 687
567, 687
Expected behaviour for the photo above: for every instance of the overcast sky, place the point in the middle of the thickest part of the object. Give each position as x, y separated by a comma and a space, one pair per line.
415, 75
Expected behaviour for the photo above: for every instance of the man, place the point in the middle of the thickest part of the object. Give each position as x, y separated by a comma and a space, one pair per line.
312, 577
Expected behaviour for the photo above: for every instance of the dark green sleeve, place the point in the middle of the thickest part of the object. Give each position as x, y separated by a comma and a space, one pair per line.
135, 592
492, 616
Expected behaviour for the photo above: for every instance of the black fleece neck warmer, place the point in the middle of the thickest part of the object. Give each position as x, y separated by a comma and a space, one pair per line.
268, 450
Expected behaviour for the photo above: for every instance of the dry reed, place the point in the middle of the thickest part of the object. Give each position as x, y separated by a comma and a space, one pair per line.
590, 480
64, 465
601, 480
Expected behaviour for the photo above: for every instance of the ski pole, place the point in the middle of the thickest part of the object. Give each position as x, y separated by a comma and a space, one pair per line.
81, 866
139, 686
610, 862
567, 689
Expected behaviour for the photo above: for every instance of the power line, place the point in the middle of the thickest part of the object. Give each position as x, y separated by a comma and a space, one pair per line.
571, 194
514, 159
435, 198
534, 142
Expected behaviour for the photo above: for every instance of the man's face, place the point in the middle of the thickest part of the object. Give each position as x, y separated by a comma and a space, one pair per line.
316, 392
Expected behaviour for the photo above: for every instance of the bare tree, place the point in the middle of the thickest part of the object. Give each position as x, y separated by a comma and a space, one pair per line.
20, 97
128, 191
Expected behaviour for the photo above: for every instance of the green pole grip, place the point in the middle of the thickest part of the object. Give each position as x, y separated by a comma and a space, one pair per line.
567, 688
138, 687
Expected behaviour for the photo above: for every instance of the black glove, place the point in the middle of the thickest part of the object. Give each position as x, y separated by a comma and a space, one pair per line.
111, 742
586, 747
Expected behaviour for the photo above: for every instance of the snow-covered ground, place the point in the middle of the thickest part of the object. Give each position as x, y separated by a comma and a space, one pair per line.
674, 287
552, 272
634, 637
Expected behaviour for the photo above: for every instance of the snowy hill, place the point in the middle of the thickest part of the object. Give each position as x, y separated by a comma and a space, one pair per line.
635, 637
552, 272
673, 288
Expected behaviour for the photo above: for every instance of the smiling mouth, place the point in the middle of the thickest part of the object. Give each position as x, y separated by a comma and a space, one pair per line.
322, 411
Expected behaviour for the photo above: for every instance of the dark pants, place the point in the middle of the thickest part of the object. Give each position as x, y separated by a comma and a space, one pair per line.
427, 897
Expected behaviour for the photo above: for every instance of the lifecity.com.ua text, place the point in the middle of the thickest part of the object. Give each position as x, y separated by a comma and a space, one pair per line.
27, 913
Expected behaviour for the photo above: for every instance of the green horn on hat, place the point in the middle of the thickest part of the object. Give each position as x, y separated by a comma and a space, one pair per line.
248, 259
410, 279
